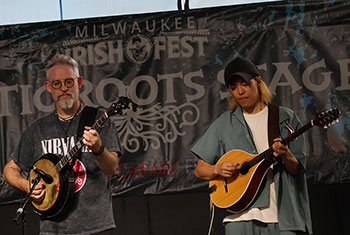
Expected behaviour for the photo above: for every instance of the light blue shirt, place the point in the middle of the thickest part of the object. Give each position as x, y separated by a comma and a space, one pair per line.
230, 131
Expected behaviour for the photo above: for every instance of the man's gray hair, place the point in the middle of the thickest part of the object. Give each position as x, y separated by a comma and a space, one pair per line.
60, 59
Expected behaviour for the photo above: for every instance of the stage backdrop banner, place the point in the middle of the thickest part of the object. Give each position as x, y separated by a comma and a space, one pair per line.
171, 66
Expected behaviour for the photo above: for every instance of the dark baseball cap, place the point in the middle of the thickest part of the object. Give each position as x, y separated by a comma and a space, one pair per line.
240, 68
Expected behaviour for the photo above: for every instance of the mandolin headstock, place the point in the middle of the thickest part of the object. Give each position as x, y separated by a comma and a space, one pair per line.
326, 118
118, 107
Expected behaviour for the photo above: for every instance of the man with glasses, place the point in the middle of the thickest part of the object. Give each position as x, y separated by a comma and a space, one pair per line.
57, 133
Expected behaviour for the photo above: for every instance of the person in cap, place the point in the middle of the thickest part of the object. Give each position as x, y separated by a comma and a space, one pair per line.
253, 124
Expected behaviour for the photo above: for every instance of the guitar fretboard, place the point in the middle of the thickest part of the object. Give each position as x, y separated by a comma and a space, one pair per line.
285, 141
71, 155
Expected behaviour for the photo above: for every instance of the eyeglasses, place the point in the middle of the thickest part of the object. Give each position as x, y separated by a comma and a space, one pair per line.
57, 84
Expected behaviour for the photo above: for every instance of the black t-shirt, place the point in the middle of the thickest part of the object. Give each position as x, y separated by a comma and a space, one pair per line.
94, 211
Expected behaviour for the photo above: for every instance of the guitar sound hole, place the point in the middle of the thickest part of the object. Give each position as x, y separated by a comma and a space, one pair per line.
244, 168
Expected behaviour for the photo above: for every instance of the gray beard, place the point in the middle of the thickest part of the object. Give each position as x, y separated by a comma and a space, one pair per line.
66, 104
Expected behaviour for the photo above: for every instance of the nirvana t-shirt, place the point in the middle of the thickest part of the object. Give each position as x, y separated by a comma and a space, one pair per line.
93, 211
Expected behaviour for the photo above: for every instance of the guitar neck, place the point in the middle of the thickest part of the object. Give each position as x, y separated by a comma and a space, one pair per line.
72, 154
297, 132
267, 153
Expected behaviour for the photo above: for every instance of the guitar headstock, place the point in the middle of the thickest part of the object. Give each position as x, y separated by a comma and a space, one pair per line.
326, 118
118, 107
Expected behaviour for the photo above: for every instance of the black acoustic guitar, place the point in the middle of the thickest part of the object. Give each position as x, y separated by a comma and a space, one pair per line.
237, 192
58, 175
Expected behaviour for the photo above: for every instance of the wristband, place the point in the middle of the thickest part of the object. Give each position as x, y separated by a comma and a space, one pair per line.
100, 151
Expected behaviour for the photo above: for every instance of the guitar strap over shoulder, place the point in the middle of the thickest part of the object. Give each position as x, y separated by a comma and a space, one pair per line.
87, 118
273, 123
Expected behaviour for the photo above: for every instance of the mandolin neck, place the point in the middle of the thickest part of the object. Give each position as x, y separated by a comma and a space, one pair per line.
72, 154
269, 152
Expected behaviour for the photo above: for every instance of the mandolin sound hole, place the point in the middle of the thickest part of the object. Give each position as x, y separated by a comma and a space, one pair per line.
244, 168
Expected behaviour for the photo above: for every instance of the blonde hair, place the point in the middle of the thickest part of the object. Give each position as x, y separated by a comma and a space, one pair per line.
264, 93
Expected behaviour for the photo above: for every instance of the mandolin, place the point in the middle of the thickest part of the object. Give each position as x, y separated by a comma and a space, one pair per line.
237, 192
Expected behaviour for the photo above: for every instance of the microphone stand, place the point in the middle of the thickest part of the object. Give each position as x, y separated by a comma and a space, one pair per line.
20, 213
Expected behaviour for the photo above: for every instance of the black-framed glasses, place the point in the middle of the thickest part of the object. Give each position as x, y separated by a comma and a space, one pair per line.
57, 84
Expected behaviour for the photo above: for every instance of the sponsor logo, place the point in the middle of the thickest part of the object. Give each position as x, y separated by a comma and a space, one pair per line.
80, 175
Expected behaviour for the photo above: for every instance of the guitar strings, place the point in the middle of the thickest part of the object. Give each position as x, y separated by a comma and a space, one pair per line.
64, 160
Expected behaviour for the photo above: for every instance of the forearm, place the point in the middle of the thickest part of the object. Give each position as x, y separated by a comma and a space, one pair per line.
205, 171
107, 161
13, 177
291, 163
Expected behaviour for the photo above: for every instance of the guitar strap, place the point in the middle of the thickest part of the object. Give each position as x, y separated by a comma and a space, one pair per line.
273, 123
87, 118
